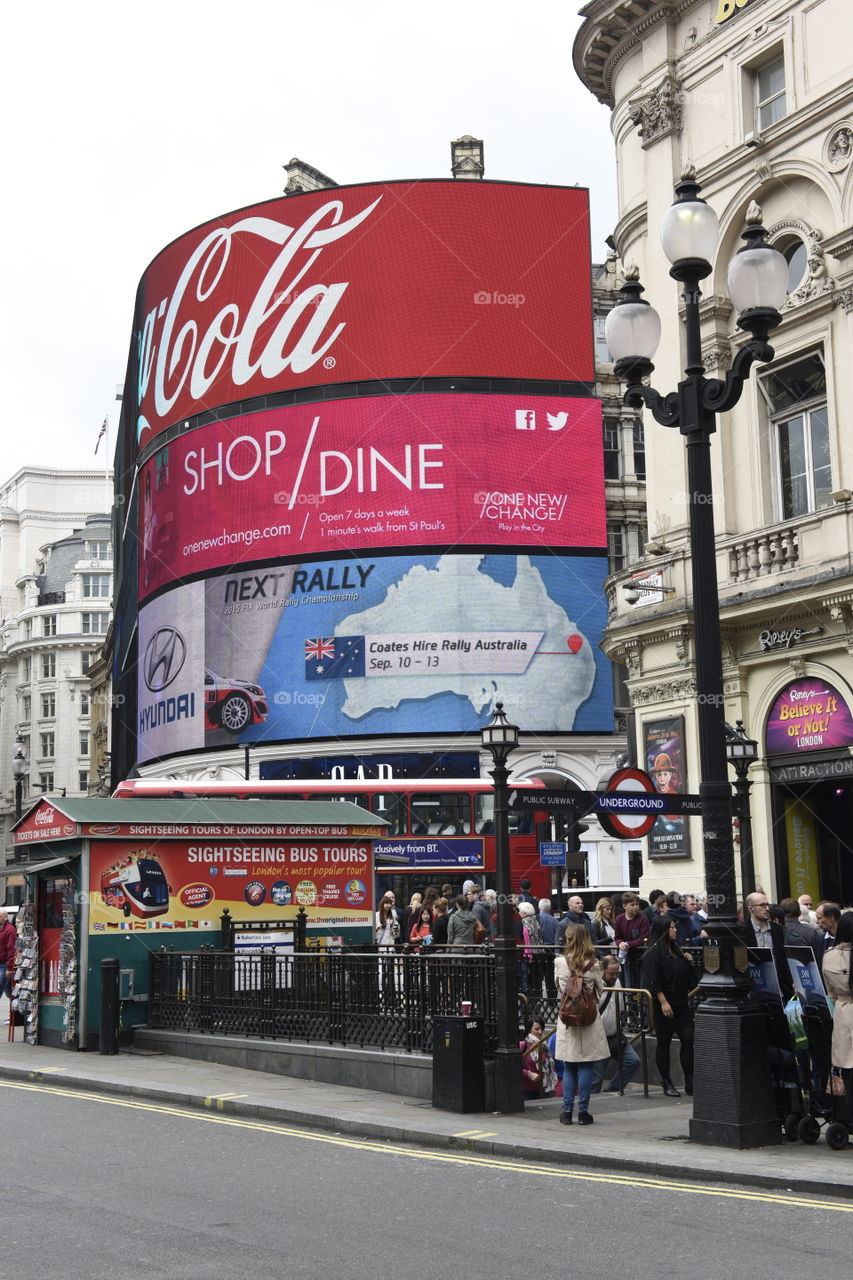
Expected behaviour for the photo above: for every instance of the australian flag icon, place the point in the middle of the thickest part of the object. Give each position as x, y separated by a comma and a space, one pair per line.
334, 657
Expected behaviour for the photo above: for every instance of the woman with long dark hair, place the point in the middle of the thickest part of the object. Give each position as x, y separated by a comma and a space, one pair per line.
838, 980
669, 975
579, 1048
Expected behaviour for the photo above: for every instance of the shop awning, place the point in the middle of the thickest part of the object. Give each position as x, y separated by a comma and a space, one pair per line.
27, 868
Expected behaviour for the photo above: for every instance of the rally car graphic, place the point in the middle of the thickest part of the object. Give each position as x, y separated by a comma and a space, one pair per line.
232, 705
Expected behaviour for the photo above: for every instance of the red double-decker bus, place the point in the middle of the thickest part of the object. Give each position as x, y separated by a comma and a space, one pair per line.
446, 827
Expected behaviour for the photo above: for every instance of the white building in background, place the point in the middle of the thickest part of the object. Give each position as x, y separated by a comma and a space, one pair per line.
758, 95
55, 608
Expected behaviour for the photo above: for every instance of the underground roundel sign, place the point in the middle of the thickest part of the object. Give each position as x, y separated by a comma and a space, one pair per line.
623, 824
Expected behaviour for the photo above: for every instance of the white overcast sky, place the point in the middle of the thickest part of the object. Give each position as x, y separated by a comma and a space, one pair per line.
126, 125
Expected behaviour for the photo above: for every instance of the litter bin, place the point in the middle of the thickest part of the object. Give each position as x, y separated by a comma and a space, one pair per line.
458, 1082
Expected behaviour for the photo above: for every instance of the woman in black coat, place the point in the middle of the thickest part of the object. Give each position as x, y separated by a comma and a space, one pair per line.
670, 977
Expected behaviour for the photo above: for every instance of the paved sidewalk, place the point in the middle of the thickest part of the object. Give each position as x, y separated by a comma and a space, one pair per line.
646, 1136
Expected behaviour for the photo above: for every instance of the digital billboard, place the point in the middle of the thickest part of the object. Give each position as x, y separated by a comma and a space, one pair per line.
428, 470
364, 283
374, 645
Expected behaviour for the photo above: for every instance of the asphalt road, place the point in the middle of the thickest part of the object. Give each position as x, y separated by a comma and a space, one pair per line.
102, 1188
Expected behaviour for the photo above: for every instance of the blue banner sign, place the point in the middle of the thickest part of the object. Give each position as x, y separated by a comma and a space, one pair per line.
431, 852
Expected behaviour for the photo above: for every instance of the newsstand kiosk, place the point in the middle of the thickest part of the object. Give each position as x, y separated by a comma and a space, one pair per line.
115, 879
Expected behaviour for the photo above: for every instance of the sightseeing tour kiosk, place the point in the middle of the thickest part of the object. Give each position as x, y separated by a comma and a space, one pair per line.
117, 879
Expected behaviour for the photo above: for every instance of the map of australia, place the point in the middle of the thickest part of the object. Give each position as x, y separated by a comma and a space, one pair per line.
520, 647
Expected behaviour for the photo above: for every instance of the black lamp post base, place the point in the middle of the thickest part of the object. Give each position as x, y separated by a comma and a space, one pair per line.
509, 1096
733, 1103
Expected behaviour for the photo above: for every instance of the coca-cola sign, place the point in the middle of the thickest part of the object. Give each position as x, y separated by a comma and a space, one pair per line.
364, 284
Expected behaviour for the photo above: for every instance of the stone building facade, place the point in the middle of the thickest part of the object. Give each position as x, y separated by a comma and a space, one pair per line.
758, 95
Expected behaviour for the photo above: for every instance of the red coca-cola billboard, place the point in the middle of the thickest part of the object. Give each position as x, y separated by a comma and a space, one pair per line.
365, 283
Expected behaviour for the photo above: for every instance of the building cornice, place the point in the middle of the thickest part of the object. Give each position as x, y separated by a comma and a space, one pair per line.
611, 30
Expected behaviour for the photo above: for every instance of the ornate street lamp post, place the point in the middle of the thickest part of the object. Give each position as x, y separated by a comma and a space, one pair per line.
19, 772
741, 752
733, 1102
500, 739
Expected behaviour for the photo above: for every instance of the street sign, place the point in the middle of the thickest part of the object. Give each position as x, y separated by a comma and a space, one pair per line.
633, 786
552, 801
552, 853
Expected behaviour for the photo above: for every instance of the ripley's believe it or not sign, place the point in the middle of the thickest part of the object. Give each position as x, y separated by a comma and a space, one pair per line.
808, 715
273, 607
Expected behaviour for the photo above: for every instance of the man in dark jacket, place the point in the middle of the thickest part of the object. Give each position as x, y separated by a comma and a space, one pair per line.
761, 932
574, 915
632, 933
798, 934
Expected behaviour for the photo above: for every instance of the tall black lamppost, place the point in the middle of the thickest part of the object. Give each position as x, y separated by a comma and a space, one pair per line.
501, 738
733, 1103
741, 752
19, 772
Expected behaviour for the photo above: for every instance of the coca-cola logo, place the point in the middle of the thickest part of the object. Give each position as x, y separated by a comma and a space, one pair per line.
45, 818
211, 332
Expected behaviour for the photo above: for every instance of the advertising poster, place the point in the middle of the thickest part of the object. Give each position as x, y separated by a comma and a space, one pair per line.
801, 837
809, 715
663, 750
374, 645
158, 885
361, 283
382, 472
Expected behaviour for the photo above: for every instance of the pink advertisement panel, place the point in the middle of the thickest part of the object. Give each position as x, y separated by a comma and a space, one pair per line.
809, 715
382, 472
391, 280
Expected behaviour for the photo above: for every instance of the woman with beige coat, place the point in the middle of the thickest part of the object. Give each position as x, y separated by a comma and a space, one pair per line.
838, 980
579, 1048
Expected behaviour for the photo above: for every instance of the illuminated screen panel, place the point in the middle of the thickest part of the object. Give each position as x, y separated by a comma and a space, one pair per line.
384, 645
395, 280
430, 470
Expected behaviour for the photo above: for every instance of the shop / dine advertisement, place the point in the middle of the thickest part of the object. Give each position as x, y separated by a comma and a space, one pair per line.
156, 885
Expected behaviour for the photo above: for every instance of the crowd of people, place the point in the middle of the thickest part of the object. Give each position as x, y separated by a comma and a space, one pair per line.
620, 946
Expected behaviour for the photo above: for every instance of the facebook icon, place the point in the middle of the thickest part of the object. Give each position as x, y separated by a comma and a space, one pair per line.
525, 420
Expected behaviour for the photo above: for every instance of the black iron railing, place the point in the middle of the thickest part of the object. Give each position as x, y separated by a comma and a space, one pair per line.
366, 998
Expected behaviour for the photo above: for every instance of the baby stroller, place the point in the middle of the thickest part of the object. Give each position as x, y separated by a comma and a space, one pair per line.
786, 1072
823, 1107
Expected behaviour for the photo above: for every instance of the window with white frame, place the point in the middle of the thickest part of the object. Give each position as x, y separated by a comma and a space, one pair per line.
48, 704
96, 586
28, 629
769, 92
95, 624
48, 666
26, 670
612, 448
48, 624
47, 742
46, 781
26, 707
84, 702
799, 422
84, 742
99, 550
86, 656
83, 780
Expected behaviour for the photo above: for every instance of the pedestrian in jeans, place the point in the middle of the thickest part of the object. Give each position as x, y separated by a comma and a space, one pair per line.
579, 1048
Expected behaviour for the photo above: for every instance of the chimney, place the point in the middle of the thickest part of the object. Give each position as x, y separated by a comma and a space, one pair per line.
466, 156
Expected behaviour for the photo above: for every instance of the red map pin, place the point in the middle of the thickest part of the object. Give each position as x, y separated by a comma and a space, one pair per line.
575, 642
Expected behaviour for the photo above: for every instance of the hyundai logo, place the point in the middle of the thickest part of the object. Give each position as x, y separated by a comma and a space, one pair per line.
165, 654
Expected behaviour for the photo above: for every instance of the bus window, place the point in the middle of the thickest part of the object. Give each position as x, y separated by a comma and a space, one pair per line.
441, 814
391, 807
520, 821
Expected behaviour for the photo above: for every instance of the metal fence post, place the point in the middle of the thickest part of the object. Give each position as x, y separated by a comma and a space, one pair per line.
110, 1005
